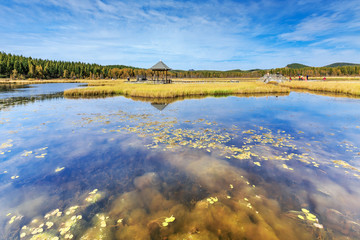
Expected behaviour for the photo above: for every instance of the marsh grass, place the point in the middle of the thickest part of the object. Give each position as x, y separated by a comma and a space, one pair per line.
349, 78
180, 80
348, 88
175, 90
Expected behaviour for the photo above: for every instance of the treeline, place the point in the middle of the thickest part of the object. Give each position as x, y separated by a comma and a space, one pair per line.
217, 74
20, 67
340, 71
311, 71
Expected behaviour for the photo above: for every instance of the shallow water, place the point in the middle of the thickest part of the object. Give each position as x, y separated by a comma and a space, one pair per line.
284, 167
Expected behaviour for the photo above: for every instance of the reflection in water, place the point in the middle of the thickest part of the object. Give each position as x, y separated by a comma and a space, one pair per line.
10, 87
171, 100
258, 168
175, 99
327, 94
17, 94
11, 102
159, 106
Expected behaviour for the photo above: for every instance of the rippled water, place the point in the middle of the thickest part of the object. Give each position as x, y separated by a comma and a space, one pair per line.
271, 167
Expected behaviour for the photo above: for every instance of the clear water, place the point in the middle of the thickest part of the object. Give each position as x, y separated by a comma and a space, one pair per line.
284, 167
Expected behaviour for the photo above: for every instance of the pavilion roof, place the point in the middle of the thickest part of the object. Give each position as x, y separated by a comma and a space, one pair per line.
159, 106
160, 66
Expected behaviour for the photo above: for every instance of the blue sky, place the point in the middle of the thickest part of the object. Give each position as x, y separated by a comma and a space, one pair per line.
216, 34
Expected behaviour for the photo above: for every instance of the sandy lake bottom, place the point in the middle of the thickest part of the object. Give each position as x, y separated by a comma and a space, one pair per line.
285, 167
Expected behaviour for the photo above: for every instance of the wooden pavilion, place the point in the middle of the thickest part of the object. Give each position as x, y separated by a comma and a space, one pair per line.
158, 68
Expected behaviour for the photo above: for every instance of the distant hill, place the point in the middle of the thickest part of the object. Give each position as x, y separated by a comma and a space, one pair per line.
296, 66
341, 64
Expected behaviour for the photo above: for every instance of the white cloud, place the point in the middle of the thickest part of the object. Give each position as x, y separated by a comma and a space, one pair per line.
311, 28
340, 42
202, 35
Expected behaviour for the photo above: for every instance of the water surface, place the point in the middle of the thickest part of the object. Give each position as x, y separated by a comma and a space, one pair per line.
283, 167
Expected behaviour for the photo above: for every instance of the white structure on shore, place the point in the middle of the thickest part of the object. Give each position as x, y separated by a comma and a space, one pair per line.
273, 78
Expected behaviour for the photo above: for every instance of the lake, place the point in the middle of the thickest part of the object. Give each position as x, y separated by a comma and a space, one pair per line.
261, 167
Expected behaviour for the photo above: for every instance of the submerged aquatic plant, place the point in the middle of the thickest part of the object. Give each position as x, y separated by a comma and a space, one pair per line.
242, 211
305, 215
168, 220
59, 169
66, 224
94, 196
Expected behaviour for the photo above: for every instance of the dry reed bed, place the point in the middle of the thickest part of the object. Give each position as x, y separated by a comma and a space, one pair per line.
213, 79
337, 78
176, 90
348, 88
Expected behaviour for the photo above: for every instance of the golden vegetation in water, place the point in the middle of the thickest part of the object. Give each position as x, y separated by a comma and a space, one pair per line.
337, 87
6, 144
259, 144
35, 154
66, 224
174, 90
145, 213
234, 208
347, 166
59, 169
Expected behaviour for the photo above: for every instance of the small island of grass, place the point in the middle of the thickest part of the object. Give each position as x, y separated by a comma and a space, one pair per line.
146, 90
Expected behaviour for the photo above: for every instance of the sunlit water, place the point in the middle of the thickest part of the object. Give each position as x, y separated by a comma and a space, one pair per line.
284, 167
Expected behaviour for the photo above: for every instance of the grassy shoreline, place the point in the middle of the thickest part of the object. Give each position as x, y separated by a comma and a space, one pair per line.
191, 87
351, 88
175, 90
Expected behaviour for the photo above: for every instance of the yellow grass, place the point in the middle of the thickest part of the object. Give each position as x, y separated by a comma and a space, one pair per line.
175, 90
348, 88
337, 78
105, 82
179, 80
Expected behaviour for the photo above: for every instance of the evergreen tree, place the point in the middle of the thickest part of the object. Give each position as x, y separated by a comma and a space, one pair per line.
40, 68
9, 66
17, 66
32, 70
47, 70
